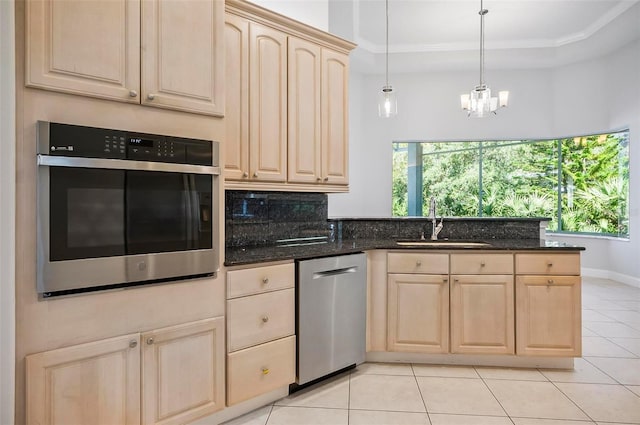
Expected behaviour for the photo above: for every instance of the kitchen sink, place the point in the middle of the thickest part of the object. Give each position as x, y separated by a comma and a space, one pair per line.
443, 243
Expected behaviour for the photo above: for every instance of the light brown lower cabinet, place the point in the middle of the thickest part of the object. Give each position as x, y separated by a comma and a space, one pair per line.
548, 320
484, 302
94, 383
482, 314
418, 313
260, 369
183, 372
178, 378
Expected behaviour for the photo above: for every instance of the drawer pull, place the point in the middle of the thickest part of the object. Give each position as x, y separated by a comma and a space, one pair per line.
265, 319
149, 341
418, 263
482, 264
265, 370
265, 280
456, 280
549, 264
133, 343
445, 280
550, 282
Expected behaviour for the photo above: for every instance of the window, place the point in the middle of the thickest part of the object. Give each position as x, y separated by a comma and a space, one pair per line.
580, 183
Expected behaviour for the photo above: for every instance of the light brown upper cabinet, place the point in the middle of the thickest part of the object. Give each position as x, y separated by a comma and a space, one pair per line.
160, 53
287, 101
318, 114
256, 69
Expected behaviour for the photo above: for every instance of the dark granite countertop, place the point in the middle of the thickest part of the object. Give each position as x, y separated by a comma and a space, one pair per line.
261, 254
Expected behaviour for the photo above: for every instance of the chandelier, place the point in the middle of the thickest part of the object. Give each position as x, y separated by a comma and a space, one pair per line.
387, 102
479, 102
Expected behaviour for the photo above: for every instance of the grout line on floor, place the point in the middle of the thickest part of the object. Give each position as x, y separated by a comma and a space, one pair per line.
424, 403
269, 415
575, 404
494, 396
596, 366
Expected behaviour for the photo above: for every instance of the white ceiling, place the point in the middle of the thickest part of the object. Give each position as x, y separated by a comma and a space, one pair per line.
444, 34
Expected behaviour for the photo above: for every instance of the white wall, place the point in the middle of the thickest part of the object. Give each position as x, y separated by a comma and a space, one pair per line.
429, 109
310, 12
592, 96
7, 212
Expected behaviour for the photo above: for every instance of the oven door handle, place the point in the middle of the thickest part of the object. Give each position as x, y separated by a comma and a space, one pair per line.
123, 164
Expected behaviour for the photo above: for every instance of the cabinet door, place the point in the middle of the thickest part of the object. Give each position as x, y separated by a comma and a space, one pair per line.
183, 372
236, 118
85, 47
548, 316
94, 383
304, 111
182, 55
267, 104
482, 320
335, 117
418, 313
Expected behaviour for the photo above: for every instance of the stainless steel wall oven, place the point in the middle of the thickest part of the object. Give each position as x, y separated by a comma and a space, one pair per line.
117, 208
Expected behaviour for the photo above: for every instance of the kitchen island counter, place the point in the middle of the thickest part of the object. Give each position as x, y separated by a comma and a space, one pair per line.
297, 251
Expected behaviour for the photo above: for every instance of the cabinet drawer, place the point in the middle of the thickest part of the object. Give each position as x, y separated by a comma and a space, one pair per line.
544, 264
260, 279
417, 262
260, 369
260, 318
481, 263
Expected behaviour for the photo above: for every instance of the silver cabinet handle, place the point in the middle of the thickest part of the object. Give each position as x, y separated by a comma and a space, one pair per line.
265, 280
482, 264
255, 174
445, 280
133, 343
151, 96
319, 179
245, 174
326, 179
149, 341
265, 319
550, 282
133, 93
418, 263
549, 264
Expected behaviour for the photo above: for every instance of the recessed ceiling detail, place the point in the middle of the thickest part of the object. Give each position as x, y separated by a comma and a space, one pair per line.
451, 25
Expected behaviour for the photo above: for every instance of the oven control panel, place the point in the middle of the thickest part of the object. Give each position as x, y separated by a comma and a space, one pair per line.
92, 142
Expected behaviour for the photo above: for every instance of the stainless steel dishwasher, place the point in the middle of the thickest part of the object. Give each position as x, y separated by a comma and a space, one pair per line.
331, 315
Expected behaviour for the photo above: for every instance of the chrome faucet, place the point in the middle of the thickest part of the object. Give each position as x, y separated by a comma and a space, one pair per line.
435, 229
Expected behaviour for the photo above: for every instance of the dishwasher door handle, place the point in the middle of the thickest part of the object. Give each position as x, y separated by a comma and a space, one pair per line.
335, 272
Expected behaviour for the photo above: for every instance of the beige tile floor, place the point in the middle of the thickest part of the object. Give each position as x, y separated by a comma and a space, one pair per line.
602, 389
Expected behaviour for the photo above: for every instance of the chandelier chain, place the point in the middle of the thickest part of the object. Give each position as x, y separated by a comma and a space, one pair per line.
482, 12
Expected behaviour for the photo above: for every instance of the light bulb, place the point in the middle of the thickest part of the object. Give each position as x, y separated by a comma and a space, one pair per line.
387, 102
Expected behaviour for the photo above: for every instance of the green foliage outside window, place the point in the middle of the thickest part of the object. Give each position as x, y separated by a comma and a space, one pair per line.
581, 183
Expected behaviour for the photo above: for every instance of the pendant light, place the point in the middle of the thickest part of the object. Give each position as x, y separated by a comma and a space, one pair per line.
479, 102
387, 102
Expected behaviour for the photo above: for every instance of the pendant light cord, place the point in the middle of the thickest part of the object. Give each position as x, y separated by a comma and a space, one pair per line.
387, 43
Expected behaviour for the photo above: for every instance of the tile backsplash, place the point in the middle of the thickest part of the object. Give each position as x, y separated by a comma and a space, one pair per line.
255, 218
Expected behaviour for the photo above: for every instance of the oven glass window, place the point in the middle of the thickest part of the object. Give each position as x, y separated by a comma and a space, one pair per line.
167, 212
103, 213
86, 213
